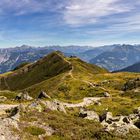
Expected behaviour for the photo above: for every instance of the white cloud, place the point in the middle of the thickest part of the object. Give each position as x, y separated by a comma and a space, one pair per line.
21, 7
81, 12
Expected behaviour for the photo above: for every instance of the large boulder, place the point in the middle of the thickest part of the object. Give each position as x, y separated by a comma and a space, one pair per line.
23, 96
137, 111
107, 116
43, 94
55, 105
26, 96
106, 94
90, 115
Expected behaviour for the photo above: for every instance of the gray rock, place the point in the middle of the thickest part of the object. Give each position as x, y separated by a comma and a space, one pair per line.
137, 111
106, 116
120, 124
43, 95
90, 115
106, 94
23, 96
55, 105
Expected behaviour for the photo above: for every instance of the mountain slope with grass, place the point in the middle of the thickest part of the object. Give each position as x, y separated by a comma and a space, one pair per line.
80, 101
54, 64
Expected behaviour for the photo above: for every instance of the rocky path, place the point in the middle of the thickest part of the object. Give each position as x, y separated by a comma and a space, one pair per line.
86, 102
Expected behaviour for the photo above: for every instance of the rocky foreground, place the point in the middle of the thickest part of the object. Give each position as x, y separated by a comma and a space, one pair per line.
13, 120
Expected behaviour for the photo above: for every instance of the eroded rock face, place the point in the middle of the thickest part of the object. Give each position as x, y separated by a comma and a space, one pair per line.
43, 95
90, 115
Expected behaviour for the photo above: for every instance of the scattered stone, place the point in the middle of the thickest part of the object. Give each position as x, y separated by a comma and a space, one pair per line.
26, 96
35, 106
120, 124
90, 115
43, 95
133, 117
126, 120
137, 111
55, 105
23, 96
122, 130
106, 94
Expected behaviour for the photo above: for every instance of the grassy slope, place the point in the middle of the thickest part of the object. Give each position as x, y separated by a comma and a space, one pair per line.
45, 68
72, 82
67, 127
71, 85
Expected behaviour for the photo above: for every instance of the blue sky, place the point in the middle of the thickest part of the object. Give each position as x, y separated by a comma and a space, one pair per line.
67, 22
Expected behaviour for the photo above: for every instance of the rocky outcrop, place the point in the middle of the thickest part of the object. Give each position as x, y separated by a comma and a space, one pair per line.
90, 115
43, 95
40, 105
106, 94
23, 96
120, 124
55, 105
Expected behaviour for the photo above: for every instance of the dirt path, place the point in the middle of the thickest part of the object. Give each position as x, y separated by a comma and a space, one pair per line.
6, 106
6, 84
86, 102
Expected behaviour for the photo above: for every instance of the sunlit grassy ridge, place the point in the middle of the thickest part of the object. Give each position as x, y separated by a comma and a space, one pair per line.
45, 68
71, 79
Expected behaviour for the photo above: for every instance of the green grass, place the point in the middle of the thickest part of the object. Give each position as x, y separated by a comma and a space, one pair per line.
34, 130
45, 68
70, 126
116, 105
8, 94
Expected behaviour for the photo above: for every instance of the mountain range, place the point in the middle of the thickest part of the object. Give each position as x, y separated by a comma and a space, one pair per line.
111, 57
118, 58
60, 97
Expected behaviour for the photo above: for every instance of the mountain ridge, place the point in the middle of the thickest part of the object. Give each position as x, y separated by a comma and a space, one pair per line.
49, 66
133, 68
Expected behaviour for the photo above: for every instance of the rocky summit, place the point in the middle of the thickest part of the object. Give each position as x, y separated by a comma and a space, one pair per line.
59, 97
